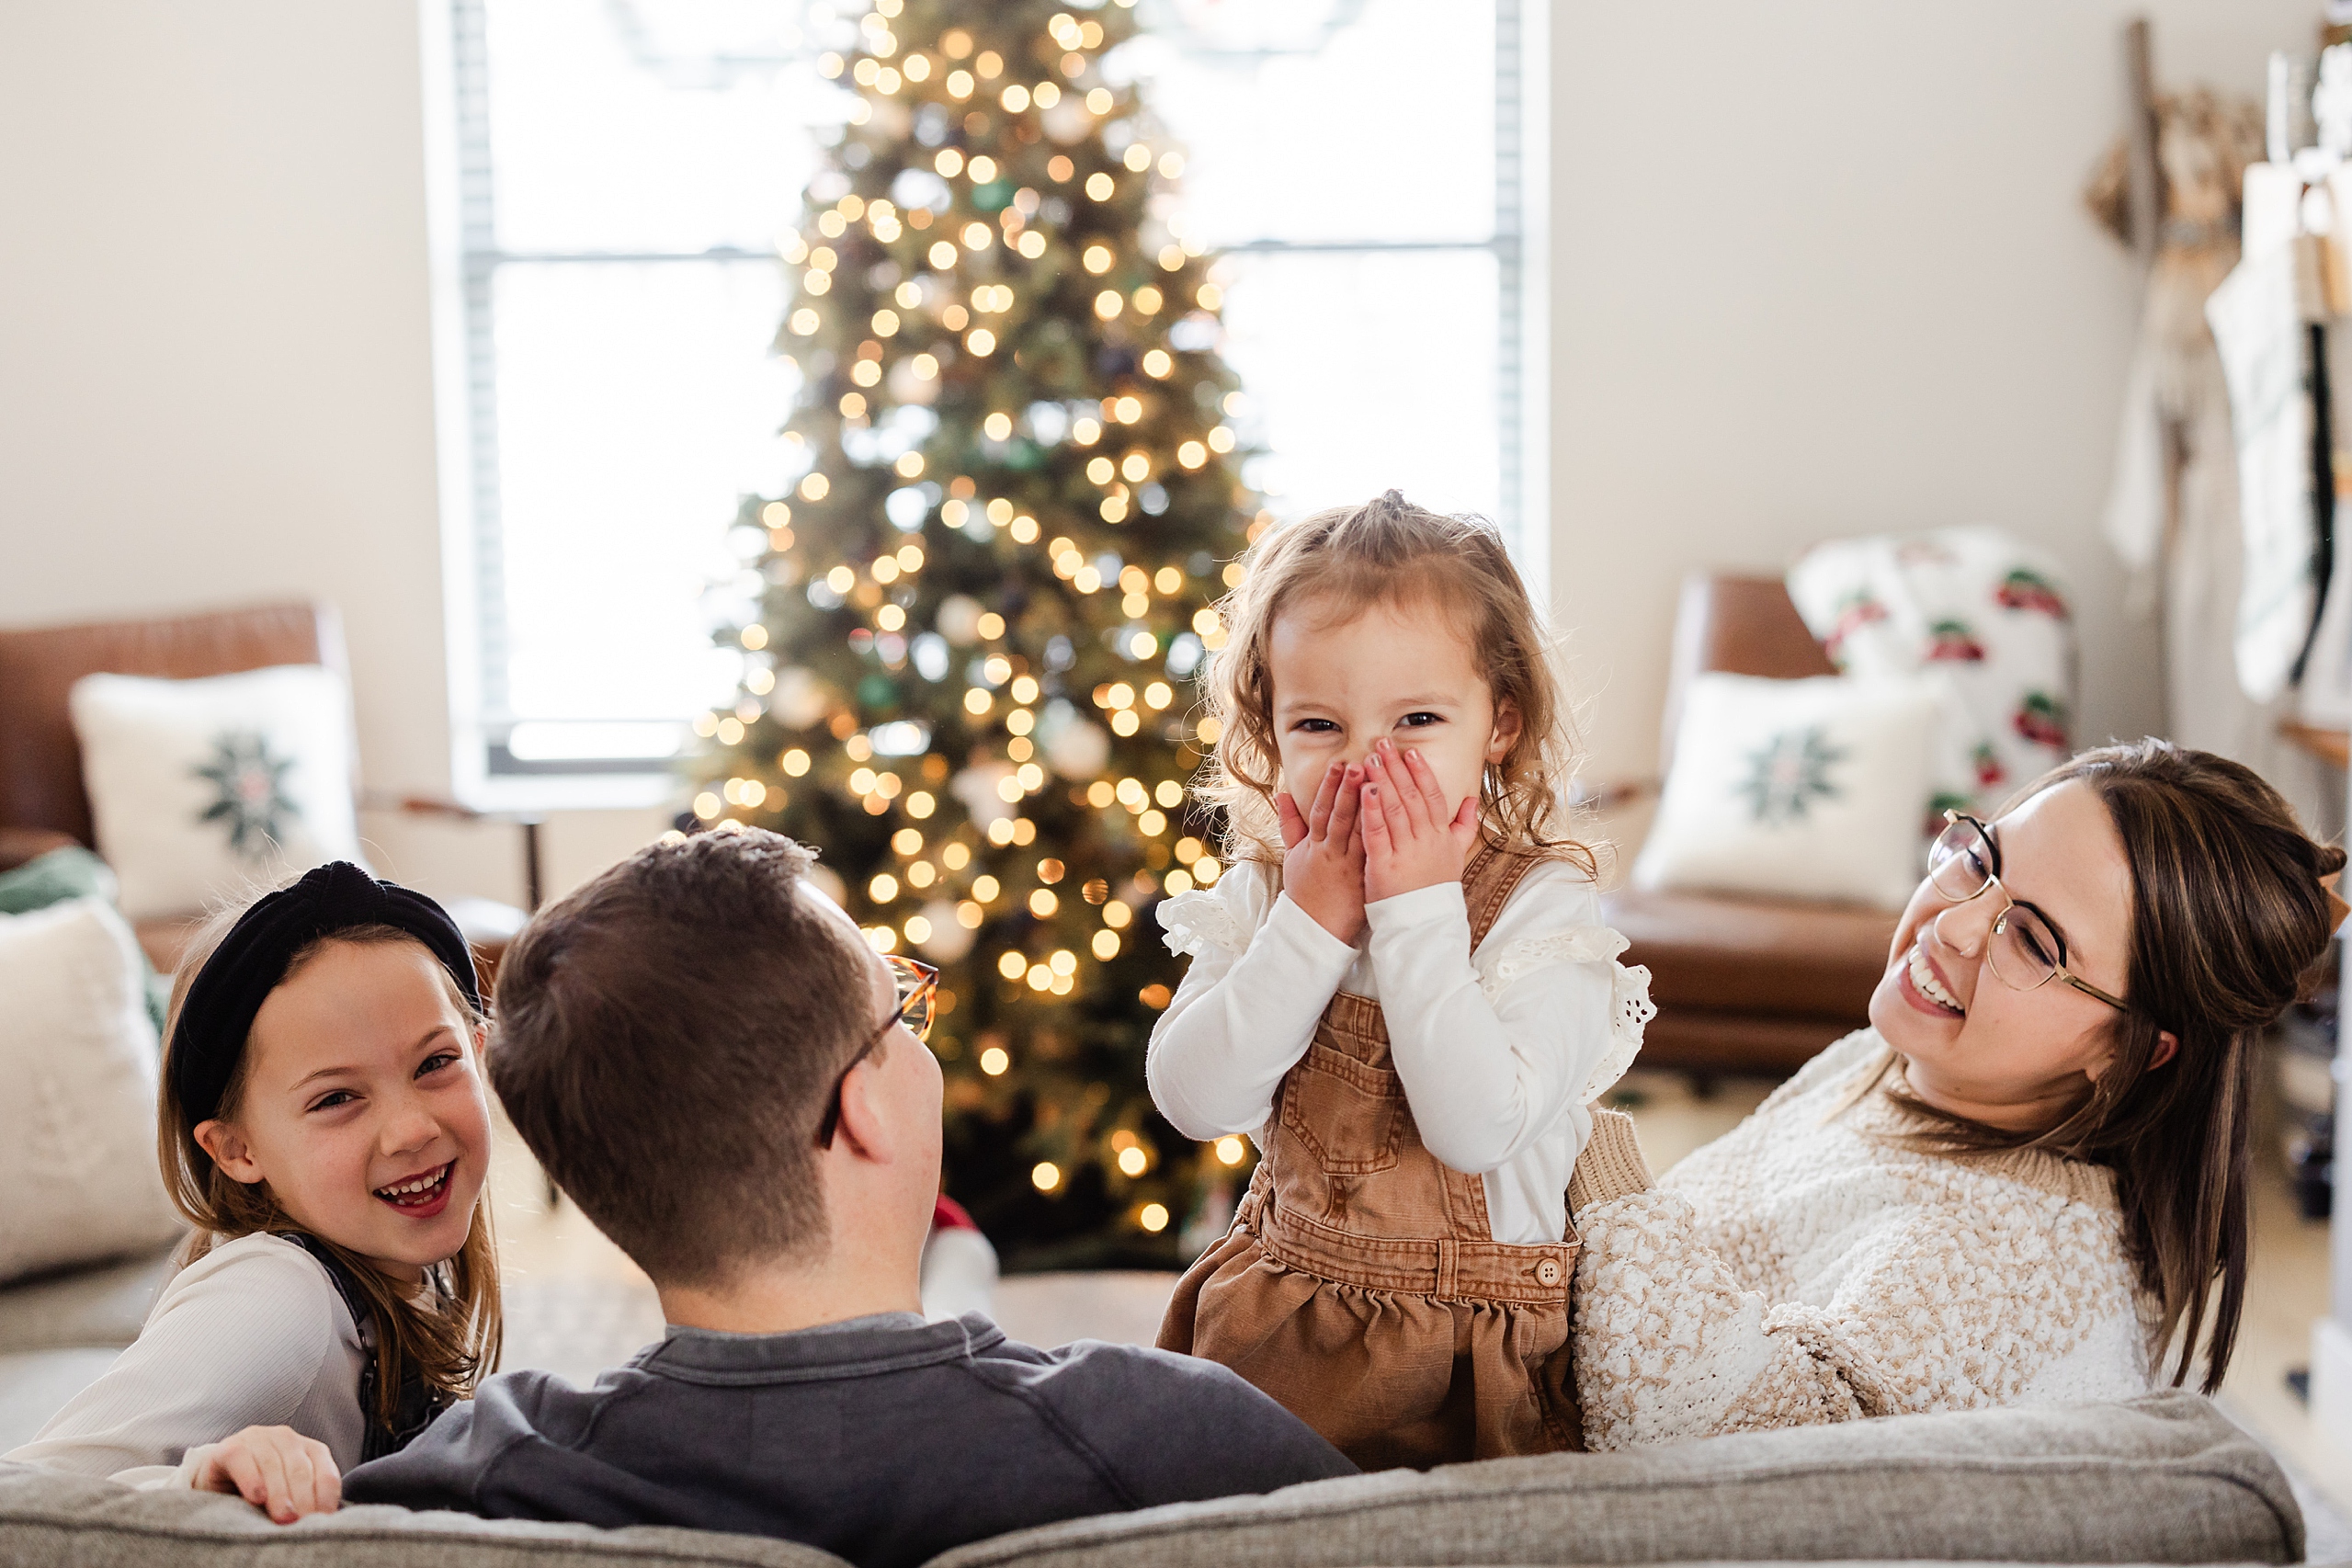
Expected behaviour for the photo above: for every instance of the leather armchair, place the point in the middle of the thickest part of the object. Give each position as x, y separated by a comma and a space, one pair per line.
43, 805
1746, 984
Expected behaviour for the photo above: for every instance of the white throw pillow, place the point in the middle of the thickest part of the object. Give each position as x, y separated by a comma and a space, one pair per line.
200, 788
79, 1057
1807, 789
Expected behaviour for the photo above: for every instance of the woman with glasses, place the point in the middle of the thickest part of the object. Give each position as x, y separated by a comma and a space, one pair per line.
2024, 1180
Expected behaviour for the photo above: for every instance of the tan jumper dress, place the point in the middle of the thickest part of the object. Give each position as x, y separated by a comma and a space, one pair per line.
1361, 1286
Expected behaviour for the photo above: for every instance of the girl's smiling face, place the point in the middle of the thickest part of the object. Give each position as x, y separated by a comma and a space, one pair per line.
362, 1106
1398, 671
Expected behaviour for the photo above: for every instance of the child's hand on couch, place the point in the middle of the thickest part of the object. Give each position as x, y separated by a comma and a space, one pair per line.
276, 1469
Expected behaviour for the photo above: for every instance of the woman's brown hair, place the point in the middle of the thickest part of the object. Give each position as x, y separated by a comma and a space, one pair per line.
2228, 923
454, 1340
1346, 560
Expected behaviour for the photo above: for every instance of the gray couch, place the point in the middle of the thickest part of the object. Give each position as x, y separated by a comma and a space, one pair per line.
2165, 1479
58, 1333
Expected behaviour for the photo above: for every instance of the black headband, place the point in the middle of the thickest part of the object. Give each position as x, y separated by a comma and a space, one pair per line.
252, 959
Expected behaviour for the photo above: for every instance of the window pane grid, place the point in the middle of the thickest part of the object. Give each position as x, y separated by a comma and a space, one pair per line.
607, 455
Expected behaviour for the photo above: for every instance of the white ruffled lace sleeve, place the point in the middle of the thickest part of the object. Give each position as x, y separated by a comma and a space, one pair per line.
1199, 920
1630, 1003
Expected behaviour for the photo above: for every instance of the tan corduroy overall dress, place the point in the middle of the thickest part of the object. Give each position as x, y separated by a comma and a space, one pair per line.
1361, 1285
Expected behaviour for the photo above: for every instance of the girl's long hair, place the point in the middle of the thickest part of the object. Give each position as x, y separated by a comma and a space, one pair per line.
453, 1335
2229, 922
1346, 560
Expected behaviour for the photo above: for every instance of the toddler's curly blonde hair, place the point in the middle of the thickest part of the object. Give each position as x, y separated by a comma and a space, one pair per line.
1349, 559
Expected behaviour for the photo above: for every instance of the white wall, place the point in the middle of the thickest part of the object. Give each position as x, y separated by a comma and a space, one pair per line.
215, 382
1822, 268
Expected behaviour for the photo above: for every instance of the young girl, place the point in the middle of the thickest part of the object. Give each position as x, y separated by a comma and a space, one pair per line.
1401, 990
322, 1126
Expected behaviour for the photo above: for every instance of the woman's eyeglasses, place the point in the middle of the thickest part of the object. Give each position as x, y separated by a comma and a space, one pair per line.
918, 992
2023, 948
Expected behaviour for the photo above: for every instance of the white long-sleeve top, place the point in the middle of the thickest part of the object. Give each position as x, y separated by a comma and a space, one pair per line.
253, 1334
1499, 1051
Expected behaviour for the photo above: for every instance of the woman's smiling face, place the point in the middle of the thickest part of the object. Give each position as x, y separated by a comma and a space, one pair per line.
362, 1106
1976, 1046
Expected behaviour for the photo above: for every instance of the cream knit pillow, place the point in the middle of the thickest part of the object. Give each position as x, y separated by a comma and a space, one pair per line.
79, 1055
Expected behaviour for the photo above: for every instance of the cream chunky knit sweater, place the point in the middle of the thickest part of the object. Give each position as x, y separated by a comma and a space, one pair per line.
1801, 1269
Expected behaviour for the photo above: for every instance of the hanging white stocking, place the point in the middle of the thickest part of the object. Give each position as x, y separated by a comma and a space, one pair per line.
2260, 333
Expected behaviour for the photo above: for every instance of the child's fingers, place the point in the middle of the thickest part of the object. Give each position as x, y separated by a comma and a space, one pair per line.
1402, 801
278, 1499
1378, 787
1294, 826
228, 1469
235, 1466
1326, 796
1396, 826
1465, 824
1407, 788
1432, 795
313, 1486
1345, 809
1375, 821
298, 1481
253, 1480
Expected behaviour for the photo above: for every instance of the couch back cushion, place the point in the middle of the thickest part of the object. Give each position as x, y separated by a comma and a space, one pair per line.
46, 1516
2163, 1479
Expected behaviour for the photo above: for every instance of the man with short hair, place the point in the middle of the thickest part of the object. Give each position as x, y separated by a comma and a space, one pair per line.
705, 1053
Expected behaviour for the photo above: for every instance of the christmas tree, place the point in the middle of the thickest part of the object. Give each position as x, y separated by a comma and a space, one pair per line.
988, 593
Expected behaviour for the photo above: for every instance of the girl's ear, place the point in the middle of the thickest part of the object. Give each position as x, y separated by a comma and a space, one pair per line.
1506, 730
227, 1147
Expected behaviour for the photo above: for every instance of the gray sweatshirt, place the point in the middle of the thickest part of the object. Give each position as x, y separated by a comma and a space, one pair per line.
884, 1439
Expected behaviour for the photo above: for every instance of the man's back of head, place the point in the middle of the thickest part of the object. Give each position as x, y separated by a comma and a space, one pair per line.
667, 1038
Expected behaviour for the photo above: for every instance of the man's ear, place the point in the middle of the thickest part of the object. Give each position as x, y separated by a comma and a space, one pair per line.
227, 1147
1506, 730
863, 1129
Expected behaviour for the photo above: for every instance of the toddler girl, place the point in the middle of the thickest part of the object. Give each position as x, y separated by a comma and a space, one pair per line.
1401, 990
322, 1126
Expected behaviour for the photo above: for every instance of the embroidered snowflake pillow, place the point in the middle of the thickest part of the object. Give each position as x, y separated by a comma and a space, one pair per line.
1797, 789
200, 788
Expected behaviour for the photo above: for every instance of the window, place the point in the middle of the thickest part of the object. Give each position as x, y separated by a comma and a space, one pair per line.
611, 185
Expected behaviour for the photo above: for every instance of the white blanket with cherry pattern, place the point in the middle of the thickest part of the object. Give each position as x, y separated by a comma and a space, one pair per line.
1976, 606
